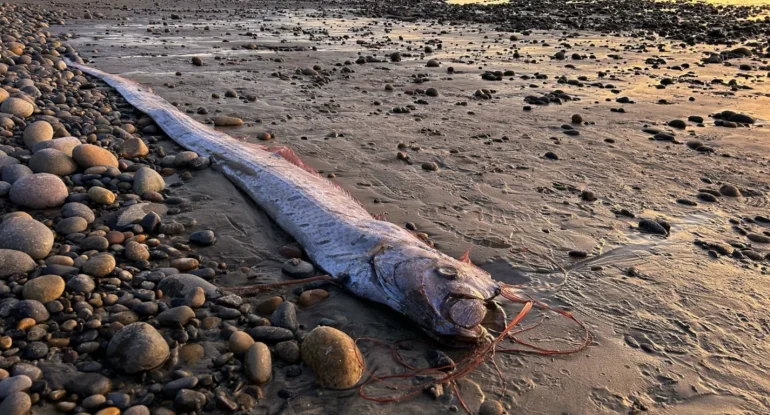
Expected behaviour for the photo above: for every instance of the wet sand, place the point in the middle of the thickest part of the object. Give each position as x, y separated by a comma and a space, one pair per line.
680, 332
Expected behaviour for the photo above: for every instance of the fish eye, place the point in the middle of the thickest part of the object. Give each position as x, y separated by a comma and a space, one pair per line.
447, 272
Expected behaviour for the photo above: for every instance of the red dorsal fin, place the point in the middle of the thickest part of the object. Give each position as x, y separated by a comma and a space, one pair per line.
289, 155
466, 257
383, 216
292, 157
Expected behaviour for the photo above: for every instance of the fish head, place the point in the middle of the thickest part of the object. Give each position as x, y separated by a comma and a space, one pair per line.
448, 298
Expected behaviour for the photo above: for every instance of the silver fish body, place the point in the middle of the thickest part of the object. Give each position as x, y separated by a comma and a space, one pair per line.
373, 259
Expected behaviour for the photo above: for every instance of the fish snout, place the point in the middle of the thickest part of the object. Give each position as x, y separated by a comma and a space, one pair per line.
466, 312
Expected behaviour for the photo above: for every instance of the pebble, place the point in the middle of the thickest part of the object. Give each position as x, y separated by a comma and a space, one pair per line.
14, 262
26, 235
75, 209
176, 316
63, 144
297, 268
31, 309
37, 132
14, 384
269, 305
74, 224
138, 347
257, 364
730, 191
170, 389
137, 410
101, 195
17, 403
17, 107
333, 356
285, 316
240, 342
270, 334
189, 401
14, 172
134, 147
44, 289
758, 238
148, 180
39, 191
288, 351
99, 265
179, 285
89, 155
225, 121
135, 251
491, 407
80, 284
203, 238
53, 162
651, 226
195, 298
310, 297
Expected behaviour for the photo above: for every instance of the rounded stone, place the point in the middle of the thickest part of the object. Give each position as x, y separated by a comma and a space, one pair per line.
15, 262
138, 347
148, 180
15, 172
491, 407
133, 147
74, 224
99, 265
52, 161
89, 155
31, 309
39, 191
239, 342
75, 209
13, 385
225, 121
195, 298
257, 365
37, 132
179, 285
81, 283
26, 235
44, 289
101, 195
17, 107
17, 403
137, 410
333, 356
63, 144
310, 297
177, 316
203, 238
136, 252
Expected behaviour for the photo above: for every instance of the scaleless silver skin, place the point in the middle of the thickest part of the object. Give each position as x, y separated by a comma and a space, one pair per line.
374, 259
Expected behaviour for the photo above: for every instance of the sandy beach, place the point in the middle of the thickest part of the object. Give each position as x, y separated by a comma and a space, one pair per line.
618, 173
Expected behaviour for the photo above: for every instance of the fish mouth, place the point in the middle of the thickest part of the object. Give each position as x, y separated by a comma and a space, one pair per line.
467, 311
465, 338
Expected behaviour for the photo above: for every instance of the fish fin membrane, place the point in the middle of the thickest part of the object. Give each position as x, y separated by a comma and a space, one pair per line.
466, 257
383, 216
289, 155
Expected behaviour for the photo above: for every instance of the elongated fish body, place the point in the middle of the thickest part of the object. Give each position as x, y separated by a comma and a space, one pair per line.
374, 259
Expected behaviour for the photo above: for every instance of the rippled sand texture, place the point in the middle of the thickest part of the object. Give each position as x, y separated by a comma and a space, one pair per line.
680, 333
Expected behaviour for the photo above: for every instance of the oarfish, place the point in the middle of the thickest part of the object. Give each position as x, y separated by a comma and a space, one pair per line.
371, 258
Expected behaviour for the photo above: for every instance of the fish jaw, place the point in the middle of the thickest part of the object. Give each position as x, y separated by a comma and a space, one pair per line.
447, 298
